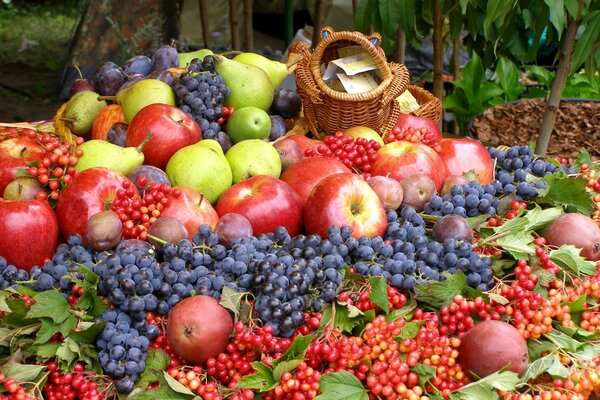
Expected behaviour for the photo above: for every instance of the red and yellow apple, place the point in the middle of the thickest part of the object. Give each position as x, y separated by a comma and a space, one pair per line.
16, 153
191, 209
464, 155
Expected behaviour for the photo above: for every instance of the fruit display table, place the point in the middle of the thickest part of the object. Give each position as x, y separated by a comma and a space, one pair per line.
183, 230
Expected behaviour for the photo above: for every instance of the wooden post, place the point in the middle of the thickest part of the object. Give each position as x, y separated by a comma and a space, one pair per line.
289, 22
233, 25
248, 29
204, 22
354, 5
438, 51
456, 74
319, 21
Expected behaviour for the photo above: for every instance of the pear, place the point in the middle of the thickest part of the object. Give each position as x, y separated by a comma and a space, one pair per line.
81, 110
100, 153
141, 94
275, 70
203, 167
249, 85
186, 58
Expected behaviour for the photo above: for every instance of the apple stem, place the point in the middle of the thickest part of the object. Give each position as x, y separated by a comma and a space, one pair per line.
109, 98
158, 240
78, 71
201, 199
68, 119
140, 146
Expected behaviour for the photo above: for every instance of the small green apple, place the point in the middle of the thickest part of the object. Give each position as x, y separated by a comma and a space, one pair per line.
364, 132
201, 166
248, 123
253, 157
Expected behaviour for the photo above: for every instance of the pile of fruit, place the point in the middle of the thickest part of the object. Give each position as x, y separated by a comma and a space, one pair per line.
174, 233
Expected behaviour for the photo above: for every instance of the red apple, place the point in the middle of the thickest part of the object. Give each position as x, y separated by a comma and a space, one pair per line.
89, 192
29, 232
172, 129
461, 156
401, 159
344, 199
191, 209
304, 142
267, 202
388, 190
198, 328
15, 153
22, 188
305, 174
105, 119
289, 152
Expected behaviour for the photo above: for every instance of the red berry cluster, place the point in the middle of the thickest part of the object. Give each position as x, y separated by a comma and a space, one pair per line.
138, 214
193, 379
336, 352
11, 390
225, 114
71, 385
457, 317
362, 301
302, 384
419, 135
358, 154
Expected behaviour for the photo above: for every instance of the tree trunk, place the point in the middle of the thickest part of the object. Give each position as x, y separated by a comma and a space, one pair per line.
400, 46
558, 83
248, 28
204, 20
438, 51
318, 22
455, 74
234, 25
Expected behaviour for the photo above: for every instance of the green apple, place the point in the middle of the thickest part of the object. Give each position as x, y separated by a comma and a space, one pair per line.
364, 132
186, 58
253, 157
201, 166
248, 123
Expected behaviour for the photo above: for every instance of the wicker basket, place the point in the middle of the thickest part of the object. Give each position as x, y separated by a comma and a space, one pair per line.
429, 107
328, 110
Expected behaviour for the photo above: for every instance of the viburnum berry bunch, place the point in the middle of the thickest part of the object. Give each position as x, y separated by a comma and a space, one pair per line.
12, 390
361, 299
358, 154
77, 384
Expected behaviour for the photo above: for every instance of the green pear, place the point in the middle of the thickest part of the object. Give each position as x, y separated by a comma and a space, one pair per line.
100, 153
275, 70
81, 110
253, 157
201, 166
186, 58
142, 93
248, 85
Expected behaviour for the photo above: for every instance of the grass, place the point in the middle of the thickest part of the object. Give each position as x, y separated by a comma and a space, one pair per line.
38, 33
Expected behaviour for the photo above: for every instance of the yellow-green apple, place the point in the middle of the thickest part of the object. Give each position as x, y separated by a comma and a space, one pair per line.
266, 202
172, 129
248, 123
29, 232
15, 153
307, 173
22, 188
105, 119
401, 159
364, 132
388, 189
89, 192
253, 157
464, 155
344, 199
191, 208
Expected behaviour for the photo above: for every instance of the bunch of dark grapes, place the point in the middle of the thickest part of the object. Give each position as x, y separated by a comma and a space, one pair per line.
10, 275
519, 172
122, 350
201, 93
469, 200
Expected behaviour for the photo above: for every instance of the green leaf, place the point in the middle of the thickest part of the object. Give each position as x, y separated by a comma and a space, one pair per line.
156, 362
498, 298
496, 11
536, 348
91, 302
472, 75
485, 388
587, 40
519, 245
584, 157
404, 311
46, 351
572, 7
537, 367
23, 372
508, 75
295, 351
363, 16
558, 17
569, 191
164, 391
345, 317
557, 369
47, 330
88, 335
409, 331
262, 380
390, 12
232, 299
577, 331
563, 341
3, 304
513, 226
424, 372
341, 385
544, 276
587, 352
538, 218
176, 386
50, 304
378, 293
568, 257
439, 294
285, 366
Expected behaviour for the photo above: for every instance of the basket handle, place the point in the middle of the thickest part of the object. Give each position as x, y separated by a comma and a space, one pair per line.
302, 50
398, 85
369, 43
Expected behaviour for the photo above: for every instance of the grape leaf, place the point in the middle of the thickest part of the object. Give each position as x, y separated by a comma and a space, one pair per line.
409, 330
232, 299
569, 191
537, 367
378, 293
485, 388
584, 157
568, 257
50, 304
341, 385
439, 294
